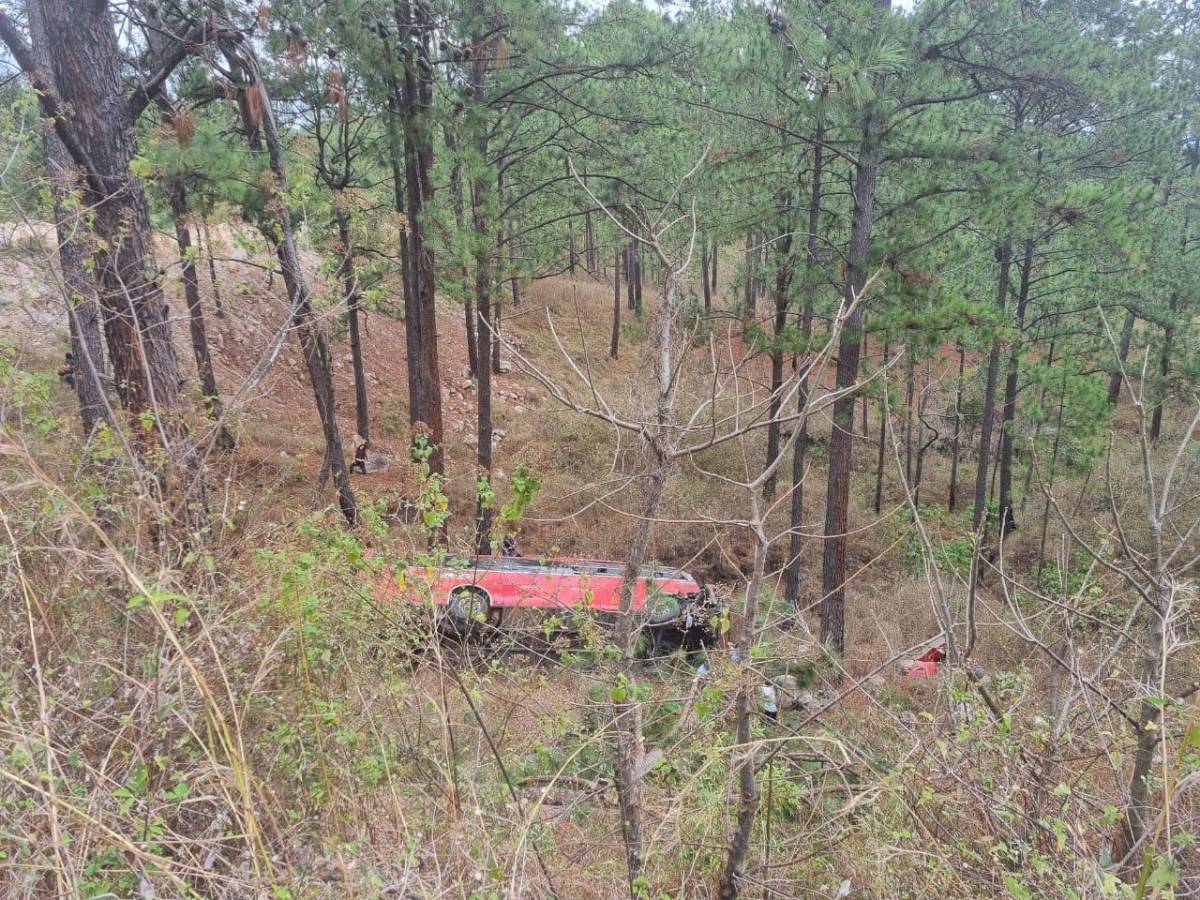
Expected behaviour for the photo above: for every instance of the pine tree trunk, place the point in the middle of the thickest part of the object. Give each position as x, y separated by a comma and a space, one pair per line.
909, 387
353, 299
262, 135
637, 280
590, 244
956, 446
712, 257
705, 290
841, 444
1164, 371
206, 233
887, 349
1037, 431
1115, 379
783, 282
199, 334
1004, 255
456, 197
800, 449
1009, 415
1062, 403
85, 69
83, 312
485, 328
630, 299
750, 279
415, 107
614, 344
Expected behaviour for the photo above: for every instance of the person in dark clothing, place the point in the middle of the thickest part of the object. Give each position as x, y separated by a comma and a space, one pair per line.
66, 372
360, 457
508, 546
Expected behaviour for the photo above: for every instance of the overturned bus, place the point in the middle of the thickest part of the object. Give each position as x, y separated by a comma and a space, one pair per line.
481, 594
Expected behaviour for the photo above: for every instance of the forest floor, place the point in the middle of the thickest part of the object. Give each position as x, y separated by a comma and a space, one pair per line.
578, 459
533, 715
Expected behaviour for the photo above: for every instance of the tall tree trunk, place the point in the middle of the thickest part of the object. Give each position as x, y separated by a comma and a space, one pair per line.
483, 451
841, 444
705, 290
637, 280
206, 233
1004, 255
1164, 371
750, 279
1009, 414
352, 295
909, 388
1062, 403
191, 292
956, 444
85, 78
712, 258
589, 242
456, 197
630, 299
783, 282
485, 328
887, 349
415, 27
800, 448
924, 443
1037, 431
83, 312
614, 344
262, 135
1114, 380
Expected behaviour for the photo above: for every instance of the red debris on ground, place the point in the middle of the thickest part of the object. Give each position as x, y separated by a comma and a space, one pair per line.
926, 665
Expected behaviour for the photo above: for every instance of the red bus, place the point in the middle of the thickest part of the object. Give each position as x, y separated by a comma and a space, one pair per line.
481, 590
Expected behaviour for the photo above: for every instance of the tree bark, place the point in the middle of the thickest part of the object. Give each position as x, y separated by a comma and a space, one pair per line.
415, 105
800, 449
841, 444
1115, 379
615, 340
590, 243
483, 301
958, 389
82, 94
199, 334
1004, 255
705, 290
456, 196
750, 279
909, 388
1164, 371
353, 298
1009, 414
712, 257
280, 233
887, 349
212, 267
783, 283
83, 312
